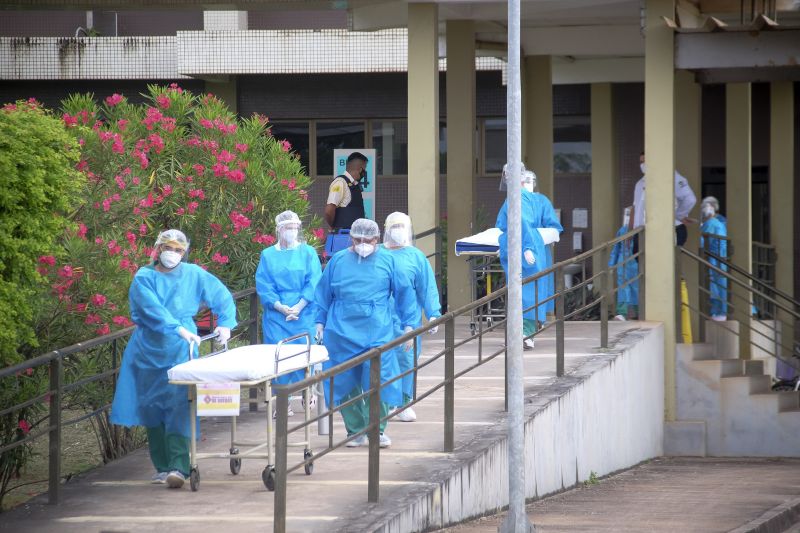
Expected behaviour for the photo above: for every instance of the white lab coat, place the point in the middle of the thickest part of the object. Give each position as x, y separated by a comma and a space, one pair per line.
685, 200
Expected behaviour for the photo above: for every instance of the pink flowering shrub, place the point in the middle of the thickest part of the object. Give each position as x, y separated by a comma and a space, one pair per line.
177, 161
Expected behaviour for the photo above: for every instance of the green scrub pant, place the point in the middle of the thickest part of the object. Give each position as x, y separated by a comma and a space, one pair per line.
528, 327
356, 415
168, 451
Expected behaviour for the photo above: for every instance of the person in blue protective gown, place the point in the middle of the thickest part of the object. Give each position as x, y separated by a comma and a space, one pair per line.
397, 237
164, 296
286, 278
627, 269
356, 300
714, 224
537, 213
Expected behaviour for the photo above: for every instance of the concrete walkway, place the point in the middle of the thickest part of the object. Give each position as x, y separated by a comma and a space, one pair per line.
119, 497
671, 495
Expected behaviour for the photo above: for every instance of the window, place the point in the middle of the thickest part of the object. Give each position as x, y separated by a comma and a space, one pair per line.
297, 135
390, 140
494, 145
442, 148
572, 144
332, 135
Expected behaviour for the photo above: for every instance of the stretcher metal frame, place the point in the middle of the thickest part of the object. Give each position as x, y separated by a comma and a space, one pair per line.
482, 264
254, 449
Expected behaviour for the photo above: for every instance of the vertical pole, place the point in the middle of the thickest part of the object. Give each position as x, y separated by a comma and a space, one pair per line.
114, 363
54, 468
559, 322
606, 213
678, 299
281, 448
449, 387
605, 296
252, 331
373, 475
701, 296
642, 274
516, 521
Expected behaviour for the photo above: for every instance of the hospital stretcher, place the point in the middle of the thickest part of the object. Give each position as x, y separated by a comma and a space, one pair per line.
482, 251
256, 365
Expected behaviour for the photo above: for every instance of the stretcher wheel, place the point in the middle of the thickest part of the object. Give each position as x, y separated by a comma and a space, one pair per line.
236, 466
194, 479
309, 467
489, 322
472, 328
268, 477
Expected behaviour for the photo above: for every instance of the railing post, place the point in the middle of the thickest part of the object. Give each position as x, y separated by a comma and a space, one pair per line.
605, 292
559, 322
54, 469
449, 387
281, 447
505, 360
701, 296
678, 297
373, 487
642, 273
252, 332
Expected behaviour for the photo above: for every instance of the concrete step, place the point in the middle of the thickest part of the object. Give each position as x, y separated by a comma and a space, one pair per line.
747, 384
753, 368
783, 401
697, 352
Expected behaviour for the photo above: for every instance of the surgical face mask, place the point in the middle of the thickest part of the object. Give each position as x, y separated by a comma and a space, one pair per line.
364, 249
643, 168
707, 211
398, 235
290, 236
169, 259
529, 185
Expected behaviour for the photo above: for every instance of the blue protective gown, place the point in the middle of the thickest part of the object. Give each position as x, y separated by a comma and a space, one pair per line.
354, 303
160, 303
286, 276
416, 267
718, 284
627, 269
537, 212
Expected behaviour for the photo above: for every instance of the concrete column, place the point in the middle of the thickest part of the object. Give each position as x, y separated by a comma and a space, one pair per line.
460, 154
739, 195
781, 192
606, 213
537, 120
659, 143
226, 89
225, 20
688, 119
423, 119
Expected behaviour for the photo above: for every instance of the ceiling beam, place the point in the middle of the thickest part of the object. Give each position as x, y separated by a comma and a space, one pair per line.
699, 51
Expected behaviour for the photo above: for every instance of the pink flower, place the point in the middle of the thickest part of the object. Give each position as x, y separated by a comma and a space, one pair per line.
82, 165
199, 169
166, 190
197, 193
163, 101
131, 238
180, 211
221, 259
80, 308
122, 124
286, 145
292, 184
241, 147
153, 116
103, 330
70, 121
122, 321
303, 194
142, 230
247, 208
264, 239
114, 99
156, 142
168, 124
124, 264
120, 182
47, 260
98, 240
239, 221
92, 318
220, 169
82, 229
147, 202
215, 228
192, 207
104, 135
174, 87
24, 425
319, 233
225, 157
236, 176
65, 271
206, 123
118, 147
98, 300
135, 180
114, 248
107, 204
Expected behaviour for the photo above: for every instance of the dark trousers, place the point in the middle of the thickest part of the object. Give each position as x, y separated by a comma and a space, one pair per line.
681, 234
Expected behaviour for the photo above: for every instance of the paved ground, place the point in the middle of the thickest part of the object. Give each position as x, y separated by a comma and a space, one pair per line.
667, 494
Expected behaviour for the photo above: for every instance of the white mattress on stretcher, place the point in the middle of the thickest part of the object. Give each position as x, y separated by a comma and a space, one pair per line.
247, 363
491, 238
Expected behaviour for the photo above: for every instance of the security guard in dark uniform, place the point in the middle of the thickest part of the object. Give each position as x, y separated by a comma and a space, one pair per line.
345, 203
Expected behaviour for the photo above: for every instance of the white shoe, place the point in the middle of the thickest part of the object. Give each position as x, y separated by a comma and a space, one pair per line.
719, 318
385, 441
275, 413
620, 318
159, 478
312, 404
358, 441
406, 415
175, 479
527, 344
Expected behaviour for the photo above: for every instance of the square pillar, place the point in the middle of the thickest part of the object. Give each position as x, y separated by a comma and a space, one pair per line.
781, 192
659, 143
537, 121
460, 154
423, 120
225, 20
606, 213
739, 198
688, 156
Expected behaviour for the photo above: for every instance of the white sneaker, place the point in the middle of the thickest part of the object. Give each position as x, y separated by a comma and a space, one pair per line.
159, 478
290, 413
620, 318
385, 441
406, 415
312, 404
719, 318
358, 441
527, 344
175, 479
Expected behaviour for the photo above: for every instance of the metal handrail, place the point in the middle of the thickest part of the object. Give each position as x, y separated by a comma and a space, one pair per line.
373, 355
56, 388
